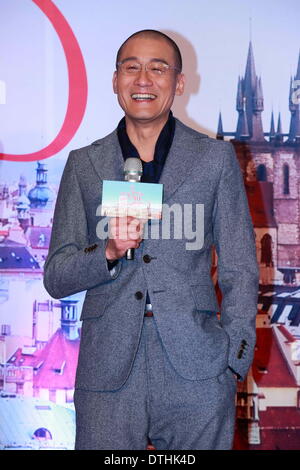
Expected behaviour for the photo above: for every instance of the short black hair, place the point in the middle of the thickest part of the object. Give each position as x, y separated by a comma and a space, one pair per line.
156, 34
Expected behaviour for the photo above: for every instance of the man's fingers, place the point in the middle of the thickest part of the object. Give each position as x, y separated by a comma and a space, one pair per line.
128, 245
136, 229
116, 249
126, 228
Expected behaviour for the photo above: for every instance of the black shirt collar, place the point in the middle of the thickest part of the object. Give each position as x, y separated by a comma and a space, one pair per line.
151, 170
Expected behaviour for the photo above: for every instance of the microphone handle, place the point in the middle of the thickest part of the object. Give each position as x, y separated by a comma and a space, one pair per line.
130, 254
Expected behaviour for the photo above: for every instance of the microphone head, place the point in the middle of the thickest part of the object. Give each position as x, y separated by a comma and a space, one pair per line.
133, 169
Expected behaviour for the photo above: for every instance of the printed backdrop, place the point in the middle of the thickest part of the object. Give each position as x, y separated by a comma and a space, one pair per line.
242, 65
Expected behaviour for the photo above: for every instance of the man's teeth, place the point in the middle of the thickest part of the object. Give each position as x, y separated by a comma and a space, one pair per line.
143, 96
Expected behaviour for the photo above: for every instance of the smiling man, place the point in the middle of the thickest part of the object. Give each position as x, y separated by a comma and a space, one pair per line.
156, 363
148, 77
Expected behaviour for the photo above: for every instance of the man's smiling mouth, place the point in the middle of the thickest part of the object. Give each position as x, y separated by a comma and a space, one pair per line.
143, 96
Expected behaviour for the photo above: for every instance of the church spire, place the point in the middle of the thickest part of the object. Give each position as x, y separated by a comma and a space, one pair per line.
243, 130
279, 126
272, 128
220, 134
258, 100
250, 102
23, 204
279, 134
250, 74
239, 95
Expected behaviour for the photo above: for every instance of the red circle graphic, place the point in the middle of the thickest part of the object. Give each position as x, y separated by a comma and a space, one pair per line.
77, 86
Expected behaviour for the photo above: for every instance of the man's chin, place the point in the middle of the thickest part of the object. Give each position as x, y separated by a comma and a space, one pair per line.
147, 117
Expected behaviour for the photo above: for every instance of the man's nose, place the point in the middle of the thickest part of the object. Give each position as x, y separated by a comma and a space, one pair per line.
143, 78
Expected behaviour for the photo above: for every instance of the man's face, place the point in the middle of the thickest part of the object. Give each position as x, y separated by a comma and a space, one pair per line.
162, 89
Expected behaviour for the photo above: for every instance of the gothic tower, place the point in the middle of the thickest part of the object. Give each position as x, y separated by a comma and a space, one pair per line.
250, 103
270, 163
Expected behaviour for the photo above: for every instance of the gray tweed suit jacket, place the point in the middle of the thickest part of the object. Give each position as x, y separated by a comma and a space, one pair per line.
198, 170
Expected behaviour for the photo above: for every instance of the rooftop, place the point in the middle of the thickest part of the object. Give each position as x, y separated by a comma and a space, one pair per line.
21, 417
16, 256
54, 365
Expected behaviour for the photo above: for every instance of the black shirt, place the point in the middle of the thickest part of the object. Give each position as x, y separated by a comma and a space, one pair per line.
151, 170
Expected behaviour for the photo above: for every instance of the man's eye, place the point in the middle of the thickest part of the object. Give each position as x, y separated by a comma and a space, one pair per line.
132, 67
157, 68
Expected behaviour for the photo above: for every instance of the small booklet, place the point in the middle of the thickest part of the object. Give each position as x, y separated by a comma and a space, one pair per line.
139, 200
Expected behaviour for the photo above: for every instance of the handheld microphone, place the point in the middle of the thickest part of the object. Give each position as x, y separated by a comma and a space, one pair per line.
133, 170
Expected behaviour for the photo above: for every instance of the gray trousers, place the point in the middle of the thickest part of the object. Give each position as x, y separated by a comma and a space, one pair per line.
157, 403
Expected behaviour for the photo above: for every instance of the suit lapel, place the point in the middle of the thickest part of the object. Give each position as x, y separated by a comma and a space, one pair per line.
181, 159
107, 159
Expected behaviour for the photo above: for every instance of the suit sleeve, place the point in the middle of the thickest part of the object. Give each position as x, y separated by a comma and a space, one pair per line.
71, 265
238, 273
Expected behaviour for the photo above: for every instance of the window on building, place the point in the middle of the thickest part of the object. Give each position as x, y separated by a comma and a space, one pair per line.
266, 250
286, 179
261, 172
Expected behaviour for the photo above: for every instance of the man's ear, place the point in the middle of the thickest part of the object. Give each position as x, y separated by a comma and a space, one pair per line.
180, 83
115, 82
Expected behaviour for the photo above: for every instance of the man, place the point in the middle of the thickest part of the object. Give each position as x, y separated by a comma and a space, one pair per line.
155, 361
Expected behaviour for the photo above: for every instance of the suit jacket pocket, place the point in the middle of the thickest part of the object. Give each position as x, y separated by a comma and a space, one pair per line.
94, 306
205, 297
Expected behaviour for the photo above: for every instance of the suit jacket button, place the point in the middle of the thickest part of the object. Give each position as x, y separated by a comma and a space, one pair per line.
88, 249
139, 295
147, 258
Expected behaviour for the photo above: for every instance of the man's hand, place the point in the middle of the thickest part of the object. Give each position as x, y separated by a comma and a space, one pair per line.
124, 233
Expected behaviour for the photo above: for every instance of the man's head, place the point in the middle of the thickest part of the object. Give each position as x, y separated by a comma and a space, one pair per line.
148, 76
153, 34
